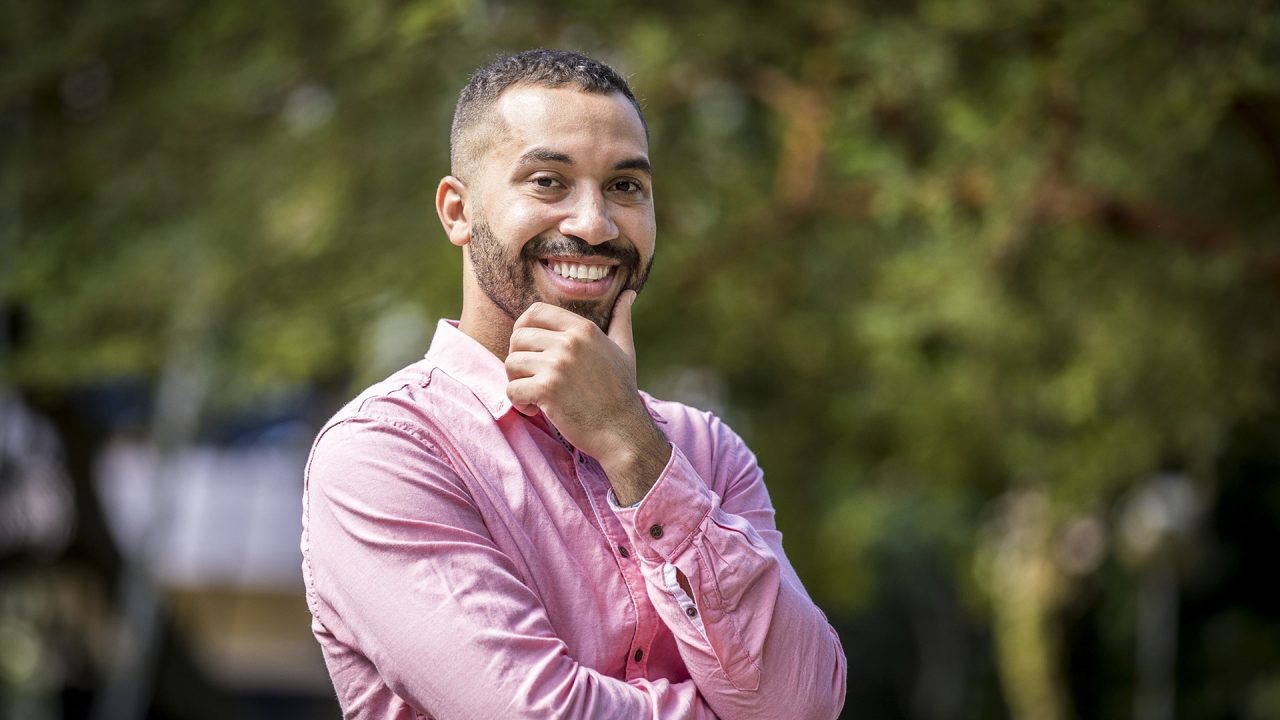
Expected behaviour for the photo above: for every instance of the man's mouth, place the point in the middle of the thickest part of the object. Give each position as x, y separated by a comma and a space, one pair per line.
579, 272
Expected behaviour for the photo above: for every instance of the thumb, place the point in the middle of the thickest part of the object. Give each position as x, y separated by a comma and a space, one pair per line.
620, 325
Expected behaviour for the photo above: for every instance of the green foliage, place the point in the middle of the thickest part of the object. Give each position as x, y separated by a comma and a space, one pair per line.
919, 254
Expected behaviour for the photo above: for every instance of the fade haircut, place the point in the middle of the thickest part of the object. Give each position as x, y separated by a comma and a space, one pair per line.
473, 121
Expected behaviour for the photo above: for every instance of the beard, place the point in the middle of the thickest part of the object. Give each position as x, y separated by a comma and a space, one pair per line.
509, 282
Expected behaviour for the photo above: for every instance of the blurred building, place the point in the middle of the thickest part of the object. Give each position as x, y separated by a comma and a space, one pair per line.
217, 529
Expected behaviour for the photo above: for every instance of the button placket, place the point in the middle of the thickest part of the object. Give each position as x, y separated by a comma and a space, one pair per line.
592, 480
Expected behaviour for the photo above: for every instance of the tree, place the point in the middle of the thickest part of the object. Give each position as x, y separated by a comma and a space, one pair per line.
966, 275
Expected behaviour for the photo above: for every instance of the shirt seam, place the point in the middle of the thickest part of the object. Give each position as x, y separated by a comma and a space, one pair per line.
364, 413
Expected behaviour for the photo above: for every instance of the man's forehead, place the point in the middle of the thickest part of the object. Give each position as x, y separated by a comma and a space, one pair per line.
549, 103
528, 115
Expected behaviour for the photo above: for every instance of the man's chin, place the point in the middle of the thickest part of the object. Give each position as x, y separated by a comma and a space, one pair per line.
597, 311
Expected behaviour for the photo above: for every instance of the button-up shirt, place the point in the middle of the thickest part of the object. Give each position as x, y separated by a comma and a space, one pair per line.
462, 560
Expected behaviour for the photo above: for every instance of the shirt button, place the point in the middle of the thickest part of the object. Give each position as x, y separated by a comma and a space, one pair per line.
691, 612
655, 532
623, 551
639, 655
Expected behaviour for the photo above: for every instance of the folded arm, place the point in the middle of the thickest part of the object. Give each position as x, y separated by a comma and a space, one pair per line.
754, 642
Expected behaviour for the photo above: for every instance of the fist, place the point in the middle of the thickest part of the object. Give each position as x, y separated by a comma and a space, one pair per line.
584, 381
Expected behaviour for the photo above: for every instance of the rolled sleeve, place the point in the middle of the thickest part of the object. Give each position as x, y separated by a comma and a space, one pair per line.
762, 649
667, 519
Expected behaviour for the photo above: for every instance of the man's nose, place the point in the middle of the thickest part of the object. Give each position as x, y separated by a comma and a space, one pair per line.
589, 219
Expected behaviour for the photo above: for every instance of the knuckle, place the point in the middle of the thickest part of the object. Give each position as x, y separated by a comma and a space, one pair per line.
535, 311
585, 327
560, 366
581, 331
546, 384
558, 369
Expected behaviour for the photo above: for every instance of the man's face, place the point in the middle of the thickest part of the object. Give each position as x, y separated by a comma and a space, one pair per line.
562, 203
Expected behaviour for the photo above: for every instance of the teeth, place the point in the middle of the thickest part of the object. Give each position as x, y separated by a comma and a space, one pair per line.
575, 271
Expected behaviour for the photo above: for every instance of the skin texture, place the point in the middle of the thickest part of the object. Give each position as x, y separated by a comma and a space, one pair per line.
565, 178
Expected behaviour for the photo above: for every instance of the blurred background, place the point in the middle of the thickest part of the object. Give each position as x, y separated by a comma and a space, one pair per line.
991, 287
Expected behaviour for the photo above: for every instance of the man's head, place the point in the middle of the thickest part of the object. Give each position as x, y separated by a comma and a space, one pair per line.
474, 125
551, 196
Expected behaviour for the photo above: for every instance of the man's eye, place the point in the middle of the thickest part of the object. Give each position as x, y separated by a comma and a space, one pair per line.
627, 186
546, 182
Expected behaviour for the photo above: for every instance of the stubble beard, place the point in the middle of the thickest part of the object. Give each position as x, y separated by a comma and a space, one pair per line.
510, 285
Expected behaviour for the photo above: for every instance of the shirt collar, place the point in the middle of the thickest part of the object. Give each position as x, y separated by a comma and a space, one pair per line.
464, 359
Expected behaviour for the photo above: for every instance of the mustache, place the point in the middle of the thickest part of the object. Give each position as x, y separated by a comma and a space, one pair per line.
567, 245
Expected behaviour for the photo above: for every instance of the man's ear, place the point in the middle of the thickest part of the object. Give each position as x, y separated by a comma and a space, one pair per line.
451, 206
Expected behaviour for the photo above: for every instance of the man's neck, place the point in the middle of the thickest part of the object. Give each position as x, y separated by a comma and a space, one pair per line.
493, 333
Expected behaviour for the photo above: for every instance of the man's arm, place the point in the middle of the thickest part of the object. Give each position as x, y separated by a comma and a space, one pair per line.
402, 568
763, 650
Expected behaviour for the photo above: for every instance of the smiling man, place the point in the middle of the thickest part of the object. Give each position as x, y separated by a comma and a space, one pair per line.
508, 528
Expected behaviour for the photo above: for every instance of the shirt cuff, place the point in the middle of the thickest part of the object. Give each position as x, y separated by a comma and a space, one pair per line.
615, 505
671, 513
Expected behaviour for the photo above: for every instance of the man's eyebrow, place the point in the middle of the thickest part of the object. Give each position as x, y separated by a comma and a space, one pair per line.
635, 163
541, 155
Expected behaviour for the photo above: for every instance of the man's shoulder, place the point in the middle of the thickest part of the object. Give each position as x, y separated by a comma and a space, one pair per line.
418, 395
686, 425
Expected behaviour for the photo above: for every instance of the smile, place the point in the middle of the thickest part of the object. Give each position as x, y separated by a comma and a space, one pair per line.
578, 271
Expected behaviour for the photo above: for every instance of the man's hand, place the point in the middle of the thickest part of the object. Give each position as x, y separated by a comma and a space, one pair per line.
585, 383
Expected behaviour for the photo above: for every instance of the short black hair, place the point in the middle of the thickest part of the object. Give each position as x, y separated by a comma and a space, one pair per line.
541, 68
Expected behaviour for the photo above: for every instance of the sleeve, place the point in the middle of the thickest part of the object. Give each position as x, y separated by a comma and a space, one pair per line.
403, 570
762, 648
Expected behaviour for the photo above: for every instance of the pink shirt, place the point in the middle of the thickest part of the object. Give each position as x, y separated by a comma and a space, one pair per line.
463, 561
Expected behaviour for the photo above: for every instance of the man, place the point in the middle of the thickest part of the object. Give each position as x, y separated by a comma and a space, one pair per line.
508, 528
